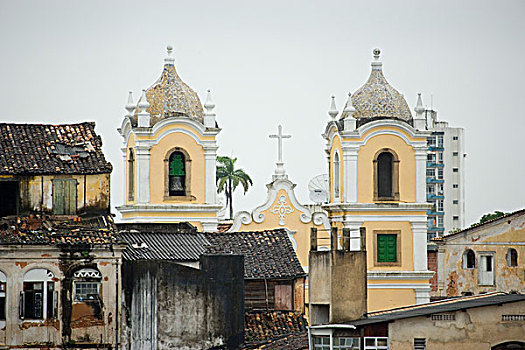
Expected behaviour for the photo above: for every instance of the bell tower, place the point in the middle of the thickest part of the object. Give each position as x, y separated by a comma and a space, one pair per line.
377, 162
169, 153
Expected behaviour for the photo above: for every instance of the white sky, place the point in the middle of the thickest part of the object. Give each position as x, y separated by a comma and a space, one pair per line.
271, 62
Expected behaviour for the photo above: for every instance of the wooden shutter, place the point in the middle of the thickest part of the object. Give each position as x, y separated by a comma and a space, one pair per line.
283, 297
64, 196
386, 248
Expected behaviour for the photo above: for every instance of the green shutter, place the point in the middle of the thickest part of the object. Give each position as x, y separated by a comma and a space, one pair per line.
176, 165
58, 197
386, 248
64, 197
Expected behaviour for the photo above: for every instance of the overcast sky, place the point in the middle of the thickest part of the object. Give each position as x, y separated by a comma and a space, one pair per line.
277, 62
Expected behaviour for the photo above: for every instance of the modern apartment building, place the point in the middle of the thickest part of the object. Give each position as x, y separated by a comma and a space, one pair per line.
445, 176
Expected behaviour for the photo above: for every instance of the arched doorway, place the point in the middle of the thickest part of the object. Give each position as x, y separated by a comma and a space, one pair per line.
510, 345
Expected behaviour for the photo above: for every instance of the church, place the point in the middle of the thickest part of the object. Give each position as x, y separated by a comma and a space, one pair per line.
376, 151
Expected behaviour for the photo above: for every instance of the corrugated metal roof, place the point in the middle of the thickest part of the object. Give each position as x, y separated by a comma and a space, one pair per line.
448, 305
181, 246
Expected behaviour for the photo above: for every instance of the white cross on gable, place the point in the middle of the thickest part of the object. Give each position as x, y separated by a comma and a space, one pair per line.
280, 138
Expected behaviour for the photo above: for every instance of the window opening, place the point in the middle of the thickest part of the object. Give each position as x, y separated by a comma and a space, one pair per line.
420, 344
131, 175
38, 299
321, 342
512, 257
376, 343
177, 174
2, 295
10, 194
384, 175
470, 259
336, 176
345, 343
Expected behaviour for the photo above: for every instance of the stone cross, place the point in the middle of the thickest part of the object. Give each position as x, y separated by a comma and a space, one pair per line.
279, 171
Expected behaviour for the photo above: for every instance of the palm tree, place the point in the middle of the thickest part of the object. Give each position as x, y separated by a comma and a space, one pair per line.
228, 178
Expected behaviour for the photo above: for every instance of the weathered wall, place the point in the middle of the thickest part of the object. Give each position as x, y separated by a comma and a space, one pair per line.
74, 321
338, 278
495, 238
36, 192
476, 328
173, 306
349, 292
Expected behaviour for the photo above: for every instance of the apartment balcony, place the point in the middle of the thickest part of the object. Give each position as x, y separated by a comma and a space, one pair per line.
436, 148
435, 213
435, 196
435, 165
432, 180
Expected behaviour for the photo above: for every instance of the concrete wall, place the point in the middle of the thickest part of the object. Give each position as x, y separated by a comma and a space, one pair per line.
74, 321
338, 279
475, 329
492, 238
173, 306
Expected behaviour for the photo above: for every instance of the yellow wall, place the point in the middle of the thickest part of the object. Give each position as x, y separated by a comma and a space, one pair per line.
407, 262
365, 167
381, 299
293, 223
158, 171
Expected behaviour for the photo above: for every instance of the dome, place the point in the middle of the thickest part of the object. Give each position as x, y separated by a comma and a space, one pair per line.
169, 96
378, 99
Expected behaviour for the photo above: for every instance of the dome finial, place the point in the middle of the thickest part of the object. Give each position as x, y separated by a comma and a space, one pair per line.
209, 104
419, 105
376, 64
130, 107
170, 59
349, 107
333, 112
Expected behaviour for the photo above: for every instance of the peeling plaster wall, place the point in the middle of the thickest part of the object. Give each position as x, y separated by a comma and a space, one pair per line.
475, 328
173, 306
36, 192
495, 238
16, 261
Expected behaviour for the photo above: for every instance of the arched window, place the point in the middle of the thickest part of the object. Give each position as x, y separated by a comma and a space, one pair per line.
38, 300
131, 175
386, 170
337, 180
512, 257
177, 174
469, 259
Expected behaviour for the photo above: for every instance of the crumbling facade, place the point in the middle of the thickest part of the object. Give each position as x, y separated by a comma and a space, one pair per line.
481, 259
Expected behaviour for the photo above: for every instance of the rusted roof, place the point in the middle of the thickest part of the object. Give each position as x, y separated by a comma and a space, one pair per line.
275, 330
474, 227
267, 254
447, 305
39, 149
57, 230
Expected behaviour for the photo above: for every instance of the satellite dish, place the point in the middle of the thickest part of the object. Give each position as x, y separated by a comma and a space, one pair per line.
319, 188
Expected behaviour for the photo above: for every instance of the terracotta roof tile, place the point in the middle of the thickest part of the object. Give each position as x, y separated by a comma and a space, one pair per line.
38, 149
274, 330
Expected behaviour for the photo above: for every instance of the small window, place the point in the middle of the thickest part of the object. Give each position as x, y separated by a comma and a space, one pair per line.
440, 157
345, 343
431, 141
431, 157
386, 248
440, 221
131, 175
420, 344
455, 186
38, 300
455, 154
455, 201
87, 284
431, 172
376, 343
455, 138
321, 342
440, 173
469, 259
455, 217
384, 175
336, 176
440, 140
431, 189
455, 170
2, 295
512, 257
440, 205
